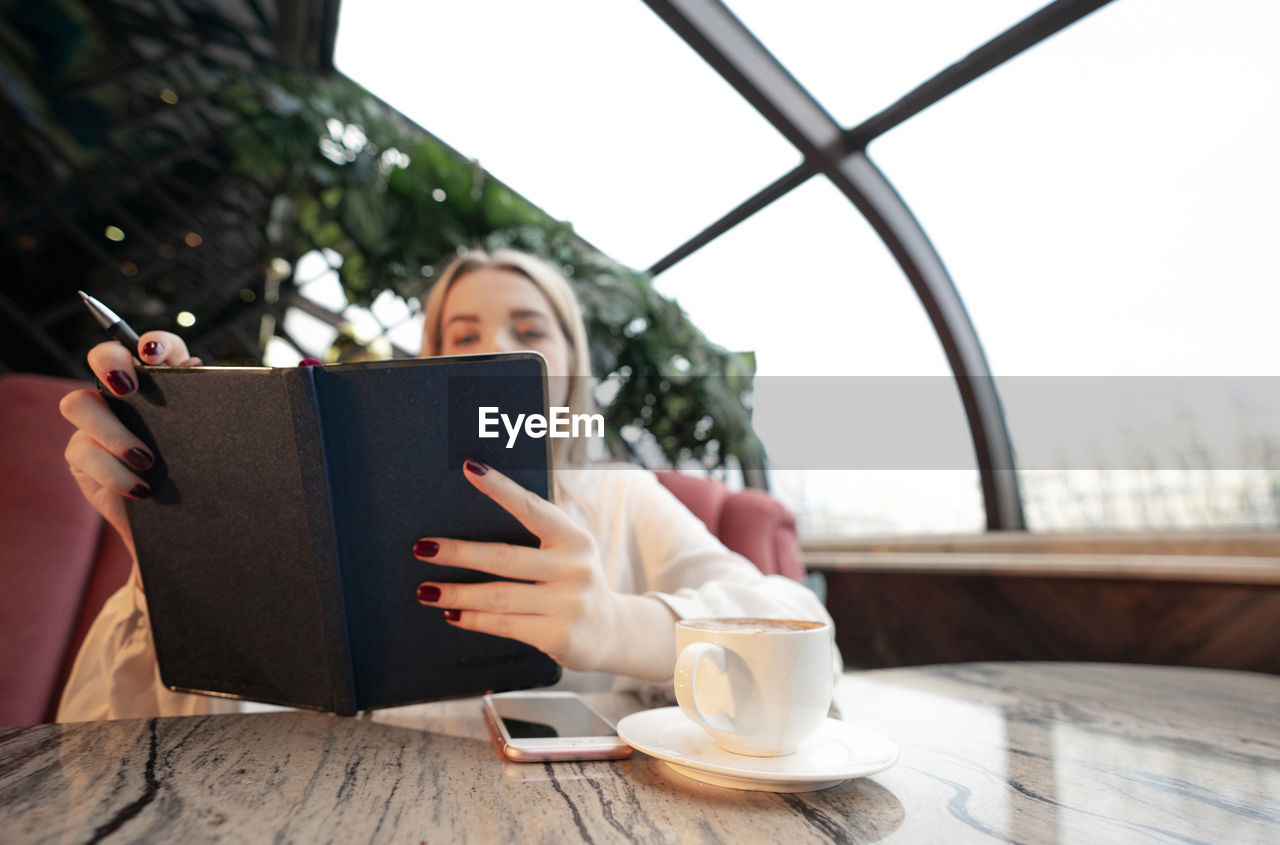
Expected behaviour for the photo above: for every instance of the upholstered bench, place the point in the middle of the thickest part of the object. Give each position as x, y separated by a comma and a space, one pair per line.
59, 560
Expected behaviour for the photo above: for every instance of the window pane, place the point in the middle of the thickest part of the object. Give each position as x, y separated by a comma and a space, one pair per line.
597, 112
313, 335
858, 58
811, 289
1106, 205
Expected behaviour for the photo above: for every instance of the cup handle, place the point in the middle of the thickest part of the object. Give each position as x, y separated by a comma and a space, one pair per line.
686, 678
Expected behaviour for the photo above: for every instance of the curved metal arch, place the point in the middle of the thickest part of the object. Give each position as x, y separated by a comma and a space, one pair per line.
729, 47
865, 185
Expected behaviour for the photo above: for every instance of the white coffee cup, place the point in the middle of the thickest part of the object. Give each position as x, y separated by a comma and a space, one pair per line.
759, 687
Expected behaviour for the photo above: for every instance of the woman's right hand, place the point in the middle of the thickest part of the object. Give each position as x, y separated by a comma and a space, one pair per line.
102, 453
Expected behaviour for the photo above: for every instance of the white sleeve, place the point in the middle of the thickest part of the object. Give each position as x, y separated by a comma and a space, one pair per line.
692, 572
115, 675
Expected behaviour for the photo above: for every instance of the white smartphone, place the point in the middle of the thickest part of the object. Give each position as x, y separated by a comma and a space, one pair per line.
530, 727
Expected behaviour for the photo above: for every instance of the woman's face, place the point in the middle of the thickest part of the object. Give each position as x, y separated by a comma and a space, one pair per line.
496, 310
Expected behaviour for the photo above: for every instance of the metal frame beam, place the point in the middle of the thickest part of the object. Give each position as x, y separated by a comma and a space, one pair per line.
777, 190
1050, 20
729, 47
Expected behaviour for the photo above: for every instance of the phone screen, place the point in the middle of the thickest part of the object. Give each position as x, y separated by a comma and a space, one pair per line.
538, 718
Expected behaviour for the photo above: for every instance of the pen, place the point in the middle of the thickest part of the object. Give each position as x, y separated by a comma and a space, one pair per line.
110, 321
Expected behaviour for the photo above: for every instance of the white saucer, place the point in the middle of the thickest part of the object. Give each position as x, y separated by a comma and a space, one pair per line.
837, 752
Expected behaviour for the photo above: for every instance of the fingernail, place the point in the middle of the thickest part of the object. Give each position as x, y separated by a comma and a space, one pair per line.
426, 548
475, 467
452, 615
429, 593
140, 491
120, 383
139, 458
311, 362
153, 349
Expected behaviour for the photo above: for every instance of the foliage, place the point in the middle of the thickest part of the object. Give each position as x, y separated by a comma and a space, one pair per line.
349, 174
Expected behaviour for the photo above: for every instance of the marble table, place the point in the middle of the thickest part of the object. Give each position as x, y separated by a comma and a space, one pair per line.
1022, 752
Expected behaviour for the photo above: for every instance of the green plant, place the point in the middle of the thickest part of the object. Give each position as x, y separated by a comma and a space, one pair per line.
349, 174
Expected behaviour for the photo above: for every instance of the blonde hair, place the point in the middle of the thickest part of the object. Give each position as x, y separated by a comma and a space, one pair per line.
564, 304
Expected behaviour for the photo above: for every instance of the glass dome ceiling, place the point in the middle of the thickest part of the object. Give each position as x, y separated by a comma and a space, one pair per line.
992, 198
1086, 195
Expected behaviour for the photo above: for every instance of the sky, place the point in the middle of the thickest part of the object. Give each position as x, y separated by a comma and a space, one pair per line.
1105, 202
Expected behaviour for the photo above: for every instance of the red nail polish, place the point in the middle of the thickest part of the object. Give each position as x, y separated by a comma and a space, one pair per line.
452, 615
120, 383
139, 458
140, 491
153, 349
428, 592
426, 548
475, 467
311, 362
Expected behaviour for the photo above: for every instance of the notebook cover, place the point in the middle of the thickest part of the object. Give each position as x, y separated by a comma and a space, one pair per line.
276, 549
224, 542
396, 434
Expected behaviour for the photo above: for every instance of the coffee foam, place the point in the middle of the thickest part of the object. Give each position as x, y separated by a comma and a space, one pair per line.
750, 626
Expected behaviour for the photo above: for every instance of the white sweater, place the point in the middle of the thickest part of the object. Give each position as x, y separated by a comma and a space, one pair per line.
649, 544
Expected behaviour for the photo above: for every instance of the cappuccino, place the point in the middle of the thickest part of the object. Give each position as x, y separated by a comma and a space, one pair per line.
758, 687
750, 626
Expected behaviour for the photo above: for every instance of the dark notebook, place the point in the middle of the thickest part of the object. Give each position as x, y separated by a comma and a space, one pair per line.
277, 547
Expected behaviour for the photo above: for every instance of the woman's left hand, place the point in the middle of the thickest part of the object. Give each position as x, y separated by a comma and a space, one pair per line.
568, 612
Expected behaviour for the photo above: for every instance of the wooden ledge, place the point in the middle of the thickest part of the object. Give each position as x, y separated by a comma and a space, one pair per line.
1232, 557
1231, 569
1212, 543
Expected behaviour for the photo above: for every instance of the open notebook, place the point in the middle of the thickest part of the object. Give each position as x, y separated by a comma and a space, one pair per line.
277, 547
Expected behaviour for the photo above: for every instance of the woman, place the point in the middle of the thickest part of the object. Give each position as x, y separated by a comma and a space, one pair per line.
620, 558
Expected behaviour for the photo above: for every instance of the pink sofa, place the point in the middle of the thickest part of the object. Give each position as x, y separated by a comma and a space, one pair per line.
58, 559
749, 522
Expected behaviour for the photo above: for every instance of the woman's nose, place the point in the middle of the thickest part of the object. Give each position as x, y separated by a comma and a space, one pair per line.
504, 341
